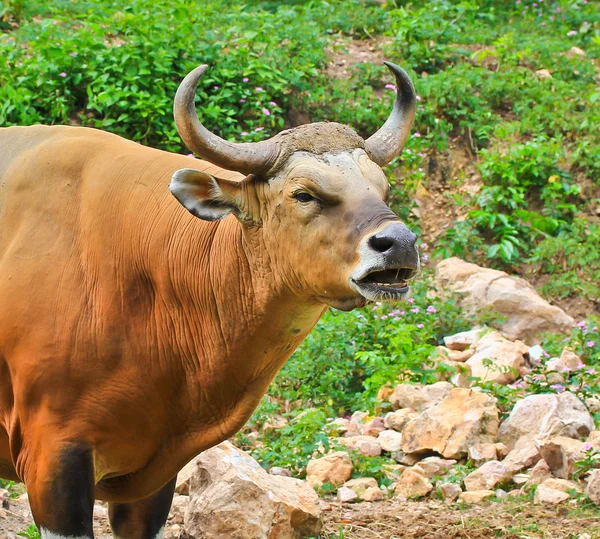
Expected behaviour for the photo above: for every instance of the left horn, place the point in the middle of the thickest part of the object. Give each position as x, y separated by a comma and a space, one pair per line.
246, 157
388, 142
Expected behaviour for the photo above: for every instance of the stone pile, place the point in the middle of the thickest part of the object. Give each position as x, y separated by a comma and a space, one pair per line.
432, 429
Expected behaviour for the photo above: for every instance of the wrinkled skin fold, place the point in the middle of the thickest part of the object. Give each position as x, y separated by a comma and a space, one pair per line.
148, 299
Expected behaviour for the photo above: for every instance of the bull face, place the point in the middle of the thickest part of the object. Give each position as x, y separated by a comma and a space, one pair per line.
316, 196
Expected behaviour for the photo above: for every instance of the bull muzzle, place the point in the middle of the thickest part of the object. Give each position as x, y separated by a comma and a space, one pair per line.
389, 259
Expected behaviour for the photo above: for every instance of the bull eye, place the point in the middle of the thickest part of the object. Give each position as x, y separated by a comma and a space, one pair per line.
304, 198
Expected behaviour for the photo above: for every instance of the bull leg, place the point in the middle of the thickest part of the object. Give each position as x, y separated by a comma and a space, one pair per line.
144, 519
60, 487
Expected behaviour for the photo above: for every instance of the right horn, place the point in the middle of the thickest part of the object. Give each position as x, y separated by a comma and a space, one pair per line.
387, 143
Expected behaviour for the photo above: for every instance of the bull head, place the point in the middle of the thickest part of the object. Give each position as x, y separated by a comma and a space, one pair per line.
317, 194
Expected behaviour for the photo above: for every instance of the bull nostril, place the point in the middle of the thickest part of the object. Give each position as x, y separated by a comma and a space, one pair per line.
381, 243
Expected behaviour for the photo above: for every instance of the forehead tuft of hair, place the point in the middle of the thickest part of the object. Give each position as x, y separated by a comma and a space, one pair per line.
316, 138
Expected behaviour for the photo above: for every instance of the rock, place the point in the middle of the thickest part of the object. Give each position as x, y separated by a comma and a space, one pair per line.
501, 450
507, 359
550, 493
367, 445
520, 478
539, 417
527, 314
398, 419
282, 472
232, 496
464, 418
419, 397
539, 473
173, 531
433, 466
592, 489
593, 404
357, 420
492, 473
372, 427
346, 495
361, 424
576, 51
480, 453
404, 458
524, 455
449, 491
501, 494
361, 484
564, 485
454, 356
543, 74
476, 496
178, 509
390, 440
334, 468
567, 362
464, 340
561, 453
413, 483
372, 494
182, 485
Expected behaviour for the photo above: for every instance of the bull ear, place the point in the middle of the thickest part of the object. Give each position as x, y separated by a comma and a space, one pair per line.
201, 194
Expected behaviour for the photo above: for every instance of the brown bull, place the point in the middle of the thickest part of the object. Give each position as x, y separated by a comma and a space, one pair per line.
134, 335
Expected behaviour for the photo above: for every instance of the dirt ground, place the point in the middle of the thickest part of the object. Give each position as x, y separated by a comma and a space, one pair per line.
430, 519
433, 519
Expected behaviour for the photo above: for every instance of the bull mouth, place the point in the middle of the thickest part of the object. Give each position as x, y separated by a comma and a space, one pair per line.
385, 283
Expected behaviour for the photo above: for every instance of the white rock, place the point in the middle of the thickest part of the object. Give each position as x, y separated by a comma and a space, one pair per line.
419, 397
390, 440
464, 340
543, 74
539, 417
592, 489
464, 418
178, 509
480, 453
527, 314
372, 494
398, 419
433, 466
549, 496
567, 362
413, 483
367, 445
334, 468
361, 484
476, 496
524, 455
232, 496
346, 495
561, 454
489, 475
449, 491
282, 472
507, 358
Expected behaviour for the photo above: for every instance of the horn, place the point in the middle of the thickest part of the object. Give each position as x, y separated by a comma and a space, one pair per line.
387, 143
246, 157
